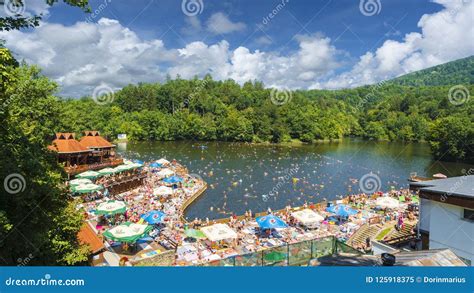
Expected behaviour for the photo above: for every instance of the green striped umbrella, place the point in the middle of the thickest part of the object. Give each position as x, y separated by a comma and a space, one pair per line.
88, 174
86, 188
122, 168
111, 207
128, 232
194, 233
107, 171
79, 181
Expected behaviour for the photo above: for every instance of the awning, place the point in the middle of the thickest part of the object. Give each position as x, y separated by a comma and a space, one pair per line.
307, 217
219, 232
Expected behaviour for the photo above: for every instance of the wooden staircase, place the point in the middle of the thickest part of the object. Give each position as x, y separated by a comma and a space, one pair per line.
360, 236
402, 236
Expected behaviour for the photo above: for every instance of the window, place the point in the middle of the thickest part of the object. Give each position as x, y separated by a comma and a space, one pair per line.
468, 215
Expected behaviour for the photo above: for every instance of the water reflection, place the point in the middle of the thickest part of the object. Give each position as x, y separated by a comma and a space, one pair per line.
244, 176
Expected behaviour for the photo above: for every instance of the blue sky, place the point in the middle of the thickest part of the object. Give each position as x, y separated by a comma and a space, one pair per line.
306, 44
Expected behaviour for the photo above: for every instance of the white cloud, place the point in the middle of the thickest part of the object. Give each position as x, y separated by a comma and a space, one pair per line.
85, 55
219, 23
445, 36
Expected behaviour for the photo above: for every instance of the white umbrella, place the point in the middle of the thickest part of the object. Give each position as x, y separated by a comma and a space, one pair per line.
387, 202
163, 161
219, 232
307, 217
163, 190
165, 173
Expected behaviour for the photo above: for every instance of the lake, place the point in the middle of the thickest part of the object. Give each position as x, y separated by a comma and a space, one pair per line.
244, 176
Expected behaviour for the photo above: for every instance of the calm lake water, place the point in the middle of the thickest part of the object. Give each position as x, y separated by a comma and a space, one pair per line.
242, 176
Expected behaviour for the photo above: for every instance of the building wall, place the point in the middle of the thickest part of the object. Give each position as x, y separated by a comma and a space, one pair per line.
448, 229
425, 214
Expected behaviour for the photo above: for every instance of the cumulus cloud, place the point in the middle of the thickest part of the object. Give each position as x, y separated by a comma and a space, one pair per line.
85, 55
219, 23
445, 36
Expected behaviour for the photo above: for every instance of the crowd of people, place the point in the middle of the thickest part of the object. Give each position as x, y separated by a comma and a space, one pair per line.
171, 233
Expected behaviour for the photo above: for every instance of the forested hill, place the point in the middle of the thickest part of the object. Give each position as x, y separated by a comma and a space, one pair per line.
456, 72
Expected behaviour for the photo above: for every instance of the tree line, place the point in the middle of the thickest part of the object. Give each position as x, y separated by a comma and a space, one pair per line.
206, 109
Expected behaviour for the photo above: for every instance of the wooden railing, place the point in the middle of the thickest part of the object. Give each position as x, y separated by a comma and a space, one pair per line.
82, 168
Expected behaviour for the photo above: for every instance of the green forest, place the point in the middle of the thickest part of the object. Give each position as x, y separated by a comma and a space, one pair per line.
206, 109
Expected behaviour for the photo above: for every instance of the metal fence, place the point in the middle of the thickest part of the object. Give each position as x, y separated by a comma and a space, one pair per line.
288, 255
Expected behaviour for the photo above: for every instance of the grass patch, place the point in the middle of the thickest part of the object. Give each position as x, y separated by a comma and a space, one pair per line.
383, 233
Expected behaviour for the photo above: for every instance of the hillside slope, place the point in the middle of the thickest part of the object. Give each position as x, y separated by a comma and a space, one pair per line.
455, 72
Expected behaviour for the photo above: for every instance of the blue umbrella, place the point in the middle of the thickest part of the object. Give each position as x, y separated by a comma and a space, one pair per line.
173, 179
341, 210
270, 222
154, 217
155, 165
138, 162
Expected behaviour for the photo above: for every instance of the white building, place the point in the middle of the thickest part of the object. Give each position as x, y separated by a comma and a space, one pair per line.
447, 215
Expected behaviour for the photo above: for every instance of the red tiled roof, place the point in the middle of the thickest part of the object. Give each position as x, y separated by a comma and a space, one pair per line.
92, 139
66, 143
88, 236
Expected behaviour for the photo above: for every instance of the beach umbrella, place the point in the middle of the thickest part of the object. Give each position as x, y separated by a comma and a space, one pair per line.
173, 179
154, 217
307, 217
165, 172
155, 165
193, 233
79, 181
106, 171
111, 207
163, 161
270, 222
128, 232
124, 167
163, 190
387, 202
135, 165
86, 188
88, 174
275, 256
138, 162
341, 210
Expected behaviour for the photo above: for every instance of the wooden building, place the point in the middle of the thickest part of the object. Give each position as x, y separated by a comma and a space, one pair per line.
70, 151
91, 152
